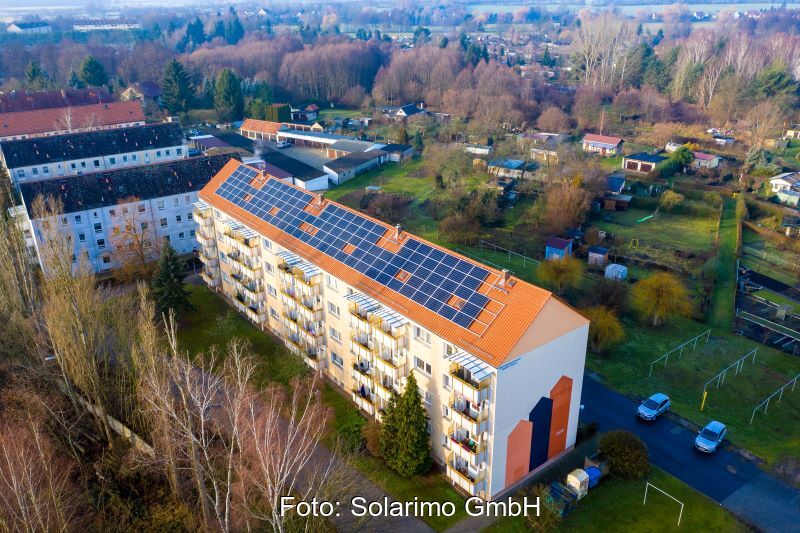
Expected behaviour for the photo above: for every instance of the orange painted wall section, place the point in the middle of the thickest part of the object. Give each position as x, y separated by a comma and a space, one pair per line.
518, 455
560, 394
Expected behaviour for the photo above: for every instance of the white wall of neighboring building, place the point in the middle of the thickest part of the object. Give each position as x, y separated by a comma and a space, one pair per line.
317, 184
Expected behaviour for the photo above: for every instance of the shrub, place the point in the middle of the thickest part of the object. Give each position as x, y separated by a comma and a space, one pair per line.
605, 329
625, 453
350, 437
372, 433
608, 293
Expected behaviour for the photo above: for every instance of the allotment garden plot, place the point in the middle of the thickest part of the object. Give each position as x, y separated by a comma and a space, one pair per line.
679, 241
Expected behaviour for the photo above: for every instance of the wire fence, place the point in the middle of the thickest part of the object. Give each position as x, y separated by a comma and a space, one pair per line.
764, 255
495, 248
679, 349
737, 365
778, 392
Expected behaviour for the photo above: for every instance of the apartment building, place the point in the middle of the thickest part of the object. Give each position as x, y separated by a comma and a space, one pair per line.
60, 120
499, 362
93, 151
113, 215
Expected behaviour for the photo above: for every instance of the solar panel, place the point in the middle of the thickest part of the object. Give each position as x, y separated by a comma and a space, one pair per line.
435, 274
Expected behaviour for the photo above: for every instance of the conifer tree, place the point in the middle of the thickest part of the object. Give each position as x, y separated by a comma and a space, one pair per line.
168, 288
409, 452
92, 72
176, 89
228, 98
387, 438
73, 81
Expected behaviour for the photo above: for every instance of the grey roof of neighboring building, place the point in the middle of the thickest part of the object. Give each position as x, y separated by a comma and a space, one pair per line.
28, 25
44, 150
102, 189
291, 166
347, 145
14, 101
395, 148
647, 158
354, 160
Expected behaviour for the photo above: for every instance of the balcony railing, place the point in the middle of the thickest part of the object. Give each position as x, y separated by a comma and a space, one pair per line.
470, 445
470, 414
363, 368
210, 279
461, 375
209, 260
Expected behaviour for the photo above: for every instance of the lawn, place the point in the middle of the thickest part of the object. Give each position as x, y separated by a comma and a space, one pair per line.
619, 502
777, 299
332, 113
214, 323
722, 308
763, 256
659, 237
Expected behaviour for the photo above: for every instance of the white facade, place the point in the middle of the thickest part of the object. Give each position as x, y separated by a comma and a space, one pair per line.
106, 26
76, 167
97, 232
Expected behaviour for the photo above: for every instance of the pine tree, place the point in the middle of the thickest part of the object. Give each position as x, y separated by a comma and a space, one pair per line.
387, 437
36, 77
168, 288
234, 31
219, 28
279, 113
73, 81
417, 143
410, 452
176, 89
92, 72
195, 34
228, 98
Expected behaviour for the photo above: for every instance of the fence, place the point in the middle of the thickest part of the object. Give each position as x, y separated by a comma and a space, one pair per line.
480, 259
679, 349
495, 248
737, 365
770, 258
779, 392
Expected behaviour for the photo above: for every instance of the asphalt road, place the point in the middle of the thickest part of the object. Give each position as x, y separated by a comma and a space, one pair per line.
733, 481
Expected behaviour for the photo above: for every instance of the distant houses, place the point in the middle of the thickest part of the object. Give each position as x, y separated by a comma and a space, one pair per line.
642, 163
106, 25
29, 28
605, 145
146, 91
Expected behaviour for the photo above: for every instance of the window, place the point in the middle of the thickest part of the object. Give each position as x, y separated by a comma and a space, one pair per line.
112, 212
166, 151
46, 170
449, 349
178, 218
35, 171
144, 226
64, 221
141, 208
161, 204
98, 228
78, 219
94, 214
187, 199
422, 365
163, 222
426, 397
83, 164
191, 233
189, 216
272, 290
179, 151
166, 238
335, 335
124, 158
96, 163
158, 153
446, 410
267, 244
336, 360
101, 243
112, 160
333, 308
134, 157
72, 166
176, 202
21, 173
82, 237
273, 312
332, 282
182, 235
446, 381
74, 258
269, 267
106, 259
422, 335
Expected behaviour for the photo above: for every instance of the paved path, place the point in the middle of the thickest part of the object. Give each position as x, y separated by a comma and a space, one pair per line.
729, 479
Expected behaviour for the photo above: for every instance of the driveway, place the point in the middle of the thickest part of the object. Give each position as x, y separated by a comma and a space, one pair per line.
727, 478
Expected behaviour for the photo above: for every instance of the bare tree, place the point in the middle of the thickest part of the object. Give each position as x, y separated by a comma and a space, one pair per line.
36, 489
134, 240
764, 121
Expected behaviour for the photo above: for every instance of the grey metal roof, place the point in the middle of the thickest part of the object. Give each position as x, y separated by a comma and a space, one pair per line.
476, 367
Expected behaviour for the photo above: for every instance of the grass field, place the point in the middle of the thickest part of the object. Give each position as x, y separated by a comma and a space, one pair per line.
619, 502
777, 299
763, 256
330, 114
660, 237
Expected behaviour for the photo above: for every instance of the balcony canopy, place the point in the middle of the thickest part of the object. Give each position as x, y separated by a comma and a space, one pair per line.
201, 205
364, 302
476, 367
295, 261
389, 317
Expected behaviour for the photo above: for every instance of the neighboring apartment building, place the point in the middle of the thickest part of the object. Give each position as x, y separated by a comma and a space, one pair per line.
106, 25
74, 154
499, 362
110, 216
30, 100
60, 120
29, 28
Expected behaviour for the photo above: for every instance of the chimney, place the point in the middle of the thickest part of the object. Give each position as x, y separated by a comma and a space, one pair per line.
397, 231
504, 277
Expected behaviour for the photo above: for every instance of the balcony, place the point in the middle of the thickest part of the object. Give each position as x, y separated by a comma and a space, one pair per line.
252, 290
204, 217
387, 335
364, 399
362, 373
390, 364
292, 321
206, 241
311, 332
211, 261
384, 386
210, 279
254, 312
466, 387
303, 285
471, 446
358, 318
247, 246
468, 479
361, 346
470, 419
241, 263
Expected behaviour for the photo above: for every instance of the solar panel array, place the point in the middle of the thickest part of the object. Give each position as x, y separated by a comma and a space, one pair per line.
434, 276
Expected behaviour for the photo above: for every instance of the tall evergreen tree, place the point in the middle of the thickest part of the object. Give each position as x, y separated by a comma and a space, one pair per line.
387, 437
92, 72
417, 142
219, 28
176, 88
169, 291
73, 81
195, 34
410, 449
234, 31
228, 98
278, 113
36, 77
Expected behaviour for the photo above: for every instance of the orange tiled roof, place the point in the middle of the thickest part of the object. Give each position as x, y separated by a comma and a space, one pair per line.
513, 307
80, 117
262, 126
